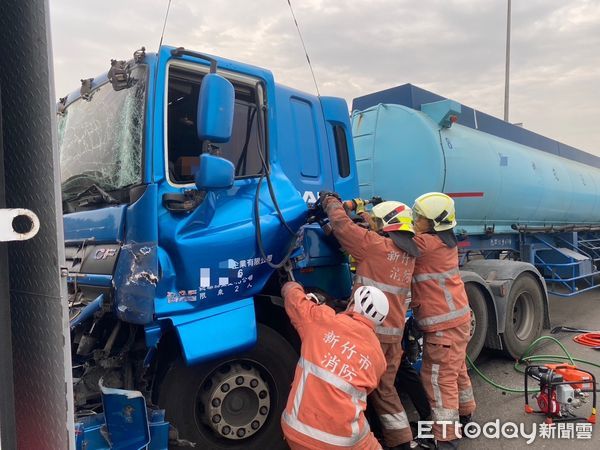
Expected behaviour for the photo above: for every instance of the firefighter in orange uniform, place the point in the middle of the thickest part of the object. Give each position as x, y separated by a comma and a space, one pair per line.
441, 308
340, 364
387, 263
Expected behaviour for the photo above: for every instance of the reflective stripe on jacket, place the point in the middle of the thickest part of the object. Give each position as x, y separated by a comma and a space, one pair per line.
439, 300
341, 362
379, 263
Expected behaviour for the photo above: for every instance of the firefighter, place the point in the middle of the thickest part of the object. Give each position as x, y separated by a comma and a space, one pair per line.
387, 263
441, 308
340, 364
408, 381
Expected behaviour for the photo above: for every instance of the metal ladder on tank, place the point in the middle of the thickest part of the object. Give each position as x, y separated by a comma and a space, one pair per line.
574, 284
592, 247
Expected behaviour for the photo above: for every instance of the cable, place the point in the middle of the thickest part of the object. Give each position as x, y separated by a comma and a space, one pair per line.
164, 25
304, 47
240, 168
527, 358
162, 34
589, 339
266, 174
545, 338
493, 383
259, 241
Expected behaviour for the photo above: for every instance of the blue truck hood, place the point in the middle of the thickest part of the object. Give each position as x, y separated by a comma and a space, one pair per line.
101, 225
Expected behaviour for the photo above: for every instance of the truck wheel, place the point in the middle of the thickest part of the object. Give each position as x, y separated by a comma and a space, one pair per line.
524, 315
479, 320
235, 402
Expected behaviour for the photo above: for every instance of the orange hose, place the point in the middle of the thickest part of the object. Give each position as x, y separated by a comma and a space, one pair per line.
588, 339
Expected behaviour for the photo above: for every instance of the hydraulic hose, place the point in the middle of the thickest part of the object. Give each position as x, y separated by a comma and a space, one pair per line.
259, 241
267, 174
527, 358
589, 339
546, 338
492, 382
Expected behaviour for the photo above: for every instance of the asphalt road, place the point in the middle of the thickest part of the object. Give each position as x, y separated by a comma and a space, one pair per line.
582, 311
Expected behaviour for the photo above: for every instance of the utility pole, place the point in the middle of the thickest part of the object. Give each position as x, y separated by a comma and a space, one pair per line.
507, 73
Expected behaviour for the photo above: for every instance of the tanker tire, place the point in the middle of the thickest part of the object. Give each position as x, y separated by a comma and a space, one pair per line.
480, 311
181, 385
524, 315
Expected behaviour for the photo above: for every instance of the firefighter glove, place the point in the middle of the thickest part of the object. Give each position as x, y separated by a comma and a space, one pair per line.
359, 205
325, 195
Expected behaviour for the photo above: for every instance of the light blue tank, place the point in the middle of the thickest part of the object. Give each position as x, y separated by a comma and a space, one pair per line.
402, 153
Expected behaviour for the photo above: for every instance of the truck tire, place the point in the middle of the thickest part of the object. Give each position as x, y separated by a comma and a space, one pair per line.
524, 315
479, 320
235, 402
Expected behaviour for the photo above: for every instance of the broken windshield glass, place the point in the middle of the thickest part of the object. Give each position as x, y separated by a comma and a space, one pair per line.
101, 139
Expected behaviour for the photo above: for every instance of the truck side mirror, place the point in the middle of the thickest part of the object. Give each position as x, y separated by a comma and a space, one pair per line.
214, 173
215, 109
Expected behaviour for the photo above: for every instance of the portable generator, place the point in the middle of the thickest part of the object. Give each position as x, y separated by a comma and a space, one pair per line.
563, 388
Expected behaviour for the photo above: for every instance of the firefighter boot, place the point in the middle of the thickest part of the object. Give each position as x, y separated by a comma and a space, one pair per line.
464, 421
448, 445
404, 446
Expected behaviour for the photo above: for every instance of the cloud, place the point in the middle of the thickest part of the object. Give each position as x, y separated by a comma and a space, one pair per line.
453, 47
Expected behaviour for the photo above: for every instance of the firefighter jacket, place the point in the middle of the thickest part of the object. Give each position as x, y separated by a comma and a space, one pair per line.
439, 300
379, 263
340, 363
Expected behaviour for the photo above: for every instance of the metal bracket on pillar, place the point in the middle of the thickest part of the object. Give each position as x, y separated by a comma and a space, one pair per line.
31, 224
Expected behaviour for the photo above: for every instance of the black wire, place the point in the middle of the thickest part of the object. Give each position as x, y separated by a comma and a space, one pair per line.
241, 165
162, 35
272, 194
266, 174
312, 72
266, 171
259, 241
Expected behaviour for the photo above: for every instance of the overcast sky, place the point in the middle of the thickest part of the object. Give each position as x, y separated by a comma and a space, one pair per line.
455, 48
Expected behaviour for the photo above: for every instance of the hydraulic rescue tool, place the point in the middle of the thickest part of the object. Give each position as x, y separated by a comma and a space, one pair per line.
317, 215
563, 388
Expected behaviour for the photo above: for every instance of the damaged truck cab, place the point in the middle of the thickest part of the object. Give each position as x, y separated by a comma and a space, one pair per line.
185, 182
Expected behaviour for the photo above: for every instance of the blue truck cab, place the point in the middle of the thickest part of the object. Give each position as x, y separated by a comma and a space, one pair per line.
172, 285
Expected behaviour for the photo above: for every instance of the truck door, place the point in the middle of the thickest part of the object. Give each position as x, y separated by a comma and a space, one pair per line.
302, 143
210, 256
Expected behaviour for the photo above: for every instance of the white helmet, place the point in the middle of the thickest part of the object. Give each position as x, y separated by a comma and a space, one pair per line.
437, 207
371, 303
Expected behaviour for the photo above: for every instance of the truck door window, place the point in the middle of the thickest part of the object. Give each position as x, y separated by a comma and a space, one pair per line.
305, 137
341, 148
183, 145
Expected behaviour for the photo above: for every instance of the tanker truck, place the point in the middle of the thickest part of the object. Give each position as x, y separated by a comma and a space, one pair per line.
187, 182
522, 200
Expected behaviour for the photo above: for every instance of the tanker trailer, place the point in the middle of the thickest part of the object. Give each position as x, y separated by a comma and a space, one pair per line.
528, 208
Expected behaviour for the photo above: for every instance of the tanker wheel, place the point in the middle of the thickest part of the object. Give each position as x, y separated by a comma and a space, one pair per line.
524, 315
479, 320
232, 403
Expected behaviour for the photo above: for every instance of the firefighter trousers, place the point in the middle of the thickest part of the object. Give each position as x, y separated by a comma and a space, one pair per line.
408, 382
386, 402
369, 443
445, 378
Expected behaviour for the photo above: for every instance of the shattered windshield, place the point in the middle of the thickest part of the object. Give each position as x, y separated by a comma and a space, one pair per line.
100, 139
